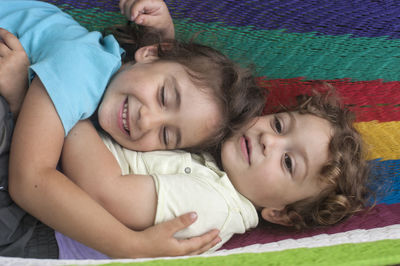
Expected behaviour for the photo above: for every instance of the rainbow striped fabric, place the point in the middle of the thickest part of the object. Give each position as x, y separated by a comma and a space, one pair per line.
353, 44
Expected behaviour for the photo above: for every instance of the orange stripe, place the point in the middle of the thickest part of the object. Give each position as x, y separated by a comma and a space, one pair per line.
382, 139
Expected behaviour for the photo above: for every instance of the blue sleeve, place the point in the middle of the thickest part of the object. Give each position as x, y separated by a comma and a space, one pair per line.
73, 64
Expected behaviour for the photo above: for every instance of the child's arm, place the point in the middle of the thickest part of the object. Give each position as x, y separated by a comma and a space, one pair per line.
37, 186
87, 161
132, 199
14, 65
149, 13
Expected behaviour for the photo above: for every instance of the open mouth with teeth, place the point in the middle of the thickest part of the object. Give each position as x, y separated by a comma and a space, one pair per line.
125, 121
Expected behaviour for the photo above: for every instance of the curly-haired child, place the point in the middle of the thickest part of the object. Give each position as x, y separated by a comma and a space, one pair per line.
303, 167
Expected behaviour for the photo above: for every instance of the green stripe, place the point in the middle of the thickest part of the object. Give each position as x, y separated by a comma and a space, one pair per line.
385, 252
94, 18
279, 54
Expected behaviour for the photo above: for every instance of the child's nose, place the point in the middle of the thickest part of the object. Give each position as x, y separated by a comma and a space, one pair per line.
150, 119
271, 141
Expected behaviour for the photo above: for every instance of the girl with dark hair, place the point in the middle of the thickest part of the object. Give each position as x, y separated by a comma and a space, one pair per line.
161, 100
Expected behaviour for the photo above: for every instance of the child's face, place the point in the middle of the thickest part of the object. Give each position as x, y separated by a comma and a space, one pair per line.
154, 105
276, 160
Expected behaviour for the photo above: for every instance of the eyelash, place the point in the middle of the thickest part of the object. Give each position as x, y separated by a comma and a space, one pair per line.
164, 129
162, 95
277, 125
288, 163
165, 136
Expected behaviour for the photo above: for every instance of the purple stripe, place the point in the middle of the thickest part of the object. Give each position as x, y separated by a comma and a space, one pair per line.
70, 249
380, 216
106, 5
362, 18
366, 18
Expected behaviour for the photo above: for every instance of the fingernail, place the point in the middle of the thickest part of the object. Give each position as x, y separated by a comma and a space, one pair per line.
193, 215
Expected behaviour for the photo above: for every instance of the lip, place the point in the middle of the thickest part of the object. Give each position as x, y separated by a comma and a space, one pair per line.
120, 123
245, 147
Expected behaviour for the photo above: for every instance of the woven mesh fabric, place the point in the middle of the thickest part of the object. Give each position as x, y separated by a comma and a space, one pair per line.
364, 254
355, 45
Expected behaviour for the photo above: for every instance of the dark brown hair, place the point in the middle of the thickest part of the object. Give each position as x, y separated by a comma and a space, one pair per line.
346, 172
233, 87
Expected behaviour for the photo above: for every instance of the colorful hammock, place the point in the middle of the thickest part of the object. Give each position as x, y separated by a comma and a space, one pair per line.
353, 44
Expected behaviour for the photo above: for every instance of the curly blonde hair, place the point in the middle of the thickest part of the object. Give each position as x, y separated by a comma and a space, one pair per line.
346, 172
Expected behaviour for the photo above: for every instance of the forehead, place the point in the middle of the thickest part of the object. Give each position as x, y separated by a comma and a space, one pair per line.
200, 112
311, 137
315, 132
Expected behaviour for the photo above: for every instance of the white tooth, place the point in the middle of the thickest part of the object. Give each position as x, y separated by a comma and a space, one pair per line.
124, 124
125, 116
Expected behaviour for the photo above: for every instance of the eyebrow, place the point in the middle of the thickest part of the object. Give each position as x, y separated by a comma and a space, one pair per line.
177, 89
302, 152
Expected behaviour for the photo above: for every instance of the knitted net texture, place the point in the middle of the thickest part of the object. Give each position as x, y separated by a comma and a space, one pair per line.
354, 45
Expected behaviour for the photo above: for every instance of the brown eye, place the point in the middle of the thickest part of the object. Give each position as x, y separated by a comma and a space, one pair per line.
288, 163
277, 125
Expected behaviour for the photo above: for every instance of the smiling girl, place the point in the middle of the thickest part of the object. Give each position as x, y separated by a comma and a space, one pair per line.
174, 96
303, 167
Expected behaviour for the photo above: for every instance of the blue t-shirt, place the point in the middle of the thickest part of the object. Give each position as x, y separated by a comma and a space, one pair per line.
74, 65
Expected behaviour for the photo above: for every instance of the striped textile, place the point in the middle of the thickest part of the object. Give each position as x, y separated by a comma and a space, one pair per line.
354, 45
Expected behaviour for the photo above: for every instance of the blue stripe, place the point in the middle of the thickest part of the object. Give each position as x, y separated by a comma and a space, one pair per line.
360, 18
387, 183
108, 5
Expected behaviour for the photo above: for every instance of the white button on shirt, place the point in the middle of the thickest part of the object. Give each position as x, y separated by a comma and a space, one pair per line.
187, 182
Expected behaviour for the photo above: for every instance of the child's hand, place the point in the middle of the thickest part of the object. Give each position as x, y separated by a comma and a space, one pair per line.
14, 65
149, 13
159, 240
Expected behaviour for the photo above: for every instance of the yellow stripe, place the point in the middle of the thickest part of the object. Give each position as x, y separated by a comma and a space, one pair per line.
382, 139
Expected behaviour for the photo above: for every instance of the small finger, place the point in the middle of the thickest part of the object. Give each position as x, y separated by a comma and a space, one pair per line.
10, 40
4, 49
3, 32
121, 6
140, 19
181, 222
130, 11
207, 246
143, 7
147, 20
200, 244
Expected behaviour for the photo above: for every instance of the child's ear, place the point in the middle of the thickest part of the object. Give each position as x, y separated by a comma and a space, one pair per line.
146, 54
276, 216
